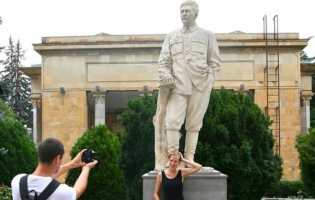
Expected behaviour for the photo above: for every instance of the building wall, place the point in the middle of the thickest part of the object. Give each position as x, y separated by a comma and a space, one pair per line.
64, 117
111, 70
290, 127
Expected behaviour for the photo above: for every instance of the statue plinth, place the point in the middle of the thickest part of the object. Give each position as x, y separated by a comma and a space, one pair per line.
207, 184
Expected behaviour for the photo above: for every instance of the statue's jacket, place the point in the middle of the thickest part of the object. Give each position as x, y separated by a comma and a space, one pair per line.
191, 57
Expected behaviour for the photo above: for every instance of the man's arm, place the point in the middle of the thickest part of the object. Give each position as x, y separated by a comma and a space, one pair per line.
165, 64
74, 163
213, 57
81, 183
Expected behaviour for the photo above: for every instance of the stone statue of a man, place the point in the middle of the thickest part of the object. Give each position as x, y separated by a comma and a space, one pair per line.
188, 66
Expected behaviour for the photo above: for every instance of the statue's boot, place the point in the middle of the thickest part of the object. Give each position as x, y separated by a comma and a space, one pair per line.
172, 142
190, 145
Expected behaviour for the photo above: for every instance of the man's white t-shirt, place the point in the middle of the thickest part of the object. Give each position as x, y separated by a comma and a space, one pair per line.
39, 183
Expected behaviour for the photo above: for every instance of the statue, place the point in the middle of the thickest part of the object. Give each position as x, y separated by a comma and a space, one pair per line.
189, 63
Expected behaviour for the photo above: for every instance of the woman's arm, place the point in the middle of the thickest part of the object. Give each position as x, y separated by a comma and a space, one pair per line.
157, 186
189, 171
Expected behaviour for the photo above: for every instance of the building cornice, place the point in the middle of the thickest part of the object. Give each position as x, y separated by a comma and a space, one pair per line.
156, 51
307, 69
32, 72
110, 42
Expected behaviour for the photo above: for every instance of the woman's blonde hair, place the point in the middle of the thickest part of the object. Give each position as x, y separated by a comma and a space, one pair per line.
176, 154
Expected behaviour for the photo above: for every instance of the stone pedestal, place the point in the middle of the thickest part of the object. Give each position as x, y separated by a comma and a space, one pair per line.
202, 186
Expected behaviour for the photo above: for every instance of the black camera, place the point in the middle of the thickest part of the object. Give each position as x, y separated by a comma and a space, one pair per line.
88, 155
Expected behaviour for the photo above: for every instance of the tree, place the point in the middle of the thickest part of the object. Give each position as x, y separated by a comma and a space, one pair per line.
305, 146
21, 155
18, 83
106, 179
4, 90
3, 151
0, 52
235, 139
5, 192
137, 148
6, 111
304, 56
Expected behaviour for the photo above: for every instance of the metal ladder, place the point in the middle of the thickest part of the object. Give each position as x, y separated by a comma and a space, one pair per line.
272, 109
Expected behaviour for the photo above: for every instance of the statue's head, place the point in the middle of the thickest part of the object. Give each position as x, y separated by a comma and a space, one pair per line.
189, 12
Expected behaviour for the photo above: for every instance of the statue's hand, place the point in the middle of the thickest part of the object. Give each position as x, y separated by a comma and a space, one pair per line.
169, 81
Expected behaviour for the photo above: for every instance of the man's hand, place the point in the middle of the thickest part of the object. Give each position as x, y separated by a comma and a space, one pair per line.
77, 161
169, 81
90, 165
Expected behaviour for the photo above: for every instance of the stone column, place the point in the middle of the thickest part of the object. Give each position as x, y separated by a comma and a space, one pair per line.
305, 113
99, 97
36, 120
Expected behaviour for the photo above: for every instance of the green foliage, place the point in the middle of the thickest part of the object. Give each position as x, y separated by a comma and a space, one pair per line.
4, 89
235, 139
106, 179
304, 56
277, 163
305, 146
273, 189
3, 151
17, 83
137, 150
6, 111
5, 193
21, 156
285, 189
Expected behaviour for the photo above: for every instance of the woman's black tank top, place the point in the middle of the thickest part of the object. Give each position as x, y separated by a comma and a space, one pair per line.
173, 188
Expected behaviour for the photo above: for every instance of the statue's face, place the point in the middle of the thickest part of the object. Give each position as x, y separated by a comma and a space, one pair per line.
187, 15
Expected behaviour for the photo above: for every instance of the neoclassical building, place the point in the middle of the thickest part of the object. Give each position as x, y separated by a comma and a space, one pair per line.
86, 80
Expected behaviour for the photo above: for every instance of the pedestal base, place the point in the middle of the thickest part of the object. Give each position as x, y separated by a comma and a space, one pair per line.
203, 185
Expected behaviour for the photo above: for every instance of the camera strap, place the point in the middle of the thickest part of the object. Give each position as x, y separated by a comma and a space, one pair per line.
24, 193
69, 176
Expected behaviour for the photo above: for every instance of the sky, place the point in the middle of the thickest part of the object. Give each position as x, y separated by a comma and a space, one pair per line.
30, 20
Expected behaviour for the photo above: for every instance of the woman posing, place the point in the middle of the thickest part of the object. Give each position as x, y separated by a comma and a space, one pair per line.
172, 178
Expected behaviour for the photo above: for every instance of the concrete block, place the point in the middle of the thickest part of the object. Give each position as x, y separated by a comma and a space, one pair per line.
201, 186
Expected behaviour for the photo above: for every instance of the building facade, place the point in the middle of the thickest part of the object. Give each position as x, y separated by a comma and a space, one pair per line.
86, 80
